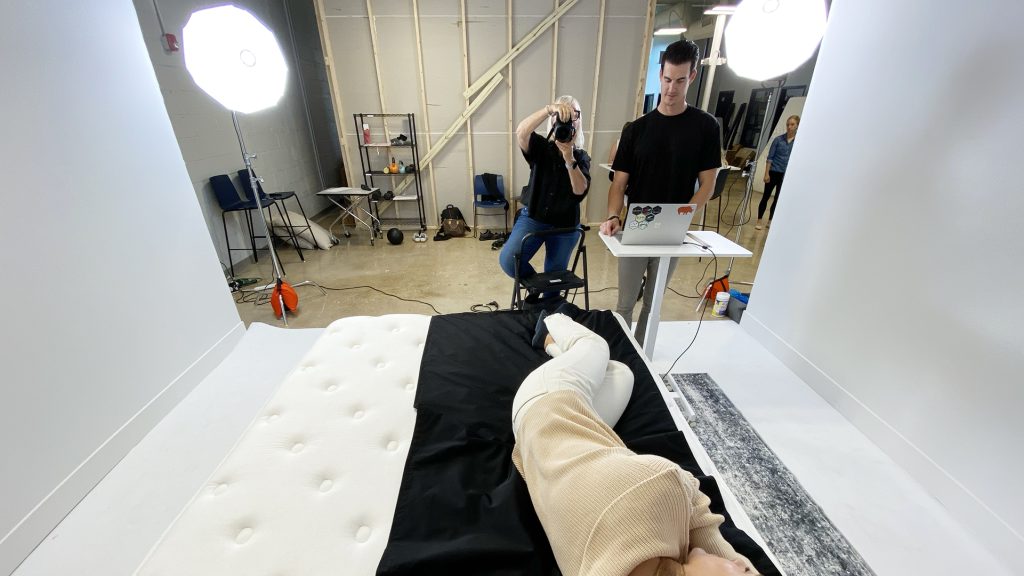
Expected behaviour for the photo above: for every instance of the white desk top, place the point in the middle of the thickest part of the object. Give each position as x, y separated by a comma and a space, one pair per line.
720, 245
345, 191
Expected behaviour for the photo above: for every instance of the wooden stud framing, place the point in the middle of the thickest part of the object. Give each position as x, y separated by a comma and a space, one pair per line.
445, 138
554, 58
593, 99
510, 187
469, 121
423, 101
644, 57
339, 116
376, 67
526, 41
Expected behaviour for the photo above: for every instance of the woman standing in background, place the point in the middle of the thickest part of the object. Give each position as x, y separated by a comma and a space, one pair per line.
775, 169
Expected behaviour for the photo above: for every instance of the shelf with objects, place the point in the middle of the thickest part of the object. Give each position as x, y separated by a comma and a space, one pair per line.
389, 160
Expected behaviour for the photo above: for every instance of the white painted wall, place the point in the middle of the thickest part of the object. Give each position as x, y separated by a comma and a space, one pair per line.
114, 303
349, 35
279, 135
890, 279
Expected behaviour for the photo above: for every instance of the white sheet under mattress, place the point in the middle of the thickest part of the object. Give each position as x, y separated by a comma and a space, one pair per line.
311, 486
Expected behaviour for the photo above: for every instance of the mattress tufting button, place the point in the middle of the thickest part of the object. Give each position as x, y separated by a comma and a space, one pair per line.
357, 414
243, 536
392, 446
357, 346
220, 489
273, 417
332, 387
410, 386
298, 447
326, 485
363, 534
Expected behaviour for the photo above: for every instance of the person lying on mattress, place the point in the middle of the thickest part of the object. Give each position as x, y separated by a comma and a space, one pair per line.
606, 510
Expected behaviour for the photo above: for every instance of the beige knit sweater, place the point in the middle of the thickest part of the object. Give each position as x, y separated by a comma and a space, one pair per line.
604, 508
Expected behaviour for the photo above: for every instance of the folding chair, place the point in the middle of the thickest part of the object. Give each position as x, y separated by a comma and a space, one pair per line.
558, 280
489, 192
229, 201
268, 199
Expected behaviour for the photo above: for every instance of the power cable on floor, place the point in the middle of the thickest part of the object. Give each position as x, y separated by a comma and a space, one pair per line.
436, 311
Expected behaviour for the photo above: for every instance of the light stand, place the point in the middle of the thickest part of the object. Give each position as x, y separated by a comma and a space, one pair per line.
768, 39
277, 287
748, 190
235, 59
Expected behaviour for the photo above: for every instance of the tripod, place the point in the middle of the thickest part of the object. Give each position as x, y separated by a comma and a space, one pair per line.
276, 287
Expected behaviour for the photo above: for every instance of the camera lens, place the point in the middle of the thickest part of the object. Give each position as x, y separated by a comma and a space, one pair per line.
565, 131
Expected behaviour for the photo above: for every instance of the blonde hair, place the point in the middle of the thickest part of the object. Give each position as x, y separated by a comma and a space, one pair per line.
575, 105
794, 117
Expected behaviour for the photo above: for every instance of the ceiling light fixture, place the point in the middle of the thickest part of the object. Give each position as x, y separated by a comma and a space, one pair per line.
721, 10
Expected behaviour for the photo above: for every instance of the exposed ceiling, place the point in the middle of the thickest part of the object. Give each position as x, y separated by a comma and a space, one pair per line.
686, 13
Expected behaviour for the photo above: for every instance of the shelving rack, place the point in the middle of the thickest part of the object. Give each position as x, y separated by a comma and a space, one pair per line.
372, 166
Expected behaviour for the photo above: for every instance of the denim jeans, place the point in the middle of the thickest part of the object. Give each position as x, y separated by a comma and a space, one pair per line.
557, 247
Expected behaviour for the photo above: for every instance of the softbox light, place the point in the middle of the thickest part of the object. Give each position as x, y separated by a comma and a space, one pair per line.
768, 38
234, 58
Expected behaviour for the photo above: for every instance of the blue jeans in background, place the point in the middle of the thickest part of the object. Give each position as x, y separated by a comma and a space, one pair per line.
557, 247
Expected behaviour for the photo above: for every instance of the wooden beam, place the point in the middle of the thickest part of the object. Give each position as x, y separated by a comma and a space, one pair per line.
376, 67
339, 120
423, 100
527, 40
469, 121
554, 59
510, 180
450, 132
593, 99
644, 57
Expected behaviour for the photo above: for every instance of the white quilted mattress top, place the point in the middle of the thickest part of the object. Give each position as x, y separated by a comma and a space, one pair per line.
311, 486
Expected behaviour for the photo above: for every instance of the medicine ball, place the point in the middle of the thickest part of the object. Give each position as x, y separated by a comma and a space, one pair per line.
395, 236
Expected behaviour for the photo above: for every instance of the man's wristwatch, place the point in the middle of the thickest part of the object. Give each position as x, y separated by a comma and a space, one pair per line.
616, 216
572, 166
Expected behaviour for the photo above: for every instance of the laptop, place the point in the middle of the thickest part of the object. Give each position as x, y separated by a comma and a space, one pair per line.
657, 224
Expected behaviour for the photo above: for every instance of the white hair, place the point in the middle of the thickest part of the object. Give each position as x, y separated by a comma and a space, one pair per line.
575, 105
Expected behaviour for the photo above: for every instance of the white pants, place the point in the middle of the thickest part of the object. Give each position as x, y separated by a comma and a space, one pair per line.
580, 362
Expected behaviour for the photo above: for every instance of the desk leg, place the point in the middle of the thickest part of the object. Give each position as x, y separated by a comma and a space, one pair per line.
660, 283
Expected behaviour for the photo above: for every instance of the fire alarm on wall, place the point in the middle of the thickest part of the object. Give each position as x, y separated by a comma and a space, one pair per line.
171, 43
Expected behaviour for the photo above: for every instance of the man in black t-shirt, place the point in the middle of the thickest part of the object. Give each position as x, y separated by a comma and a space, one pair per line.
661, 157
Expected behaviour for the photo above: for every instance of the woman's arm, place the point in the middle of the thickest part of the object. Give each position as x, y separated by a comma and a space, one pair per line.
531, 122
579, 181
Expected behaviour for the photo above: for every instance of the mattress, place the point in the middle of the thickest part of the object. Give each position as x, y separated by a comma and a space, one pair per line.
311, 486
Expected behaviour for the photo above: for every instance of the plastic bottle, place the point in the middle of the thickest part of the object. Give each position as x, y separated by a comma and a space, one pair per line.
394, 166
721, 304
366, 133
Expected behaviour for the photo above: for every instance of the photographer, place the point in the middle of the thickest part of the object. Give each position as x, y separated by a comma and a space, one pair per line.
559, 180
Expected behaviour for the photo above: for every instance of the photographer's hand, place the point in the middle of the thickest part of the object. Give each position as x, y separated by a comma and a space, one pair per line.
563, 110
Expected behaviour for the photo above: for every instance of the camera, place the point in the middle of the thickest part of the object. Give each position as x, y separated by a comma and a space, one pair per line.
564, 132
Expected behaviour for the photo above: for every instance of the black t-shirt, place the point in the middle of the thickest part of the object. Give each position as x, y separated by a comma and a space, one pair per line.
663, 154
549, 197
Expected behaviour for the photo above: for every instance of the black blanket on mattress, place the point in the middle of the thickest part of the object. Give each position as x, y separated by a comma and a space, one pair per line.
463, 508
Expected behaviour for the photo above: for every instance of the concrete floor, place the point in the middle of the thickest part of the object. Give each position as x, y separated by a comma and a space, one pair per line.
455, 274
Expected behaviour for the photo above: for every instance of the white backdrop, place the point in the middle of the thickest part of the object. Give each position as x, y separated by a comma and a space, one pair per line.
114, 305
891, 276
